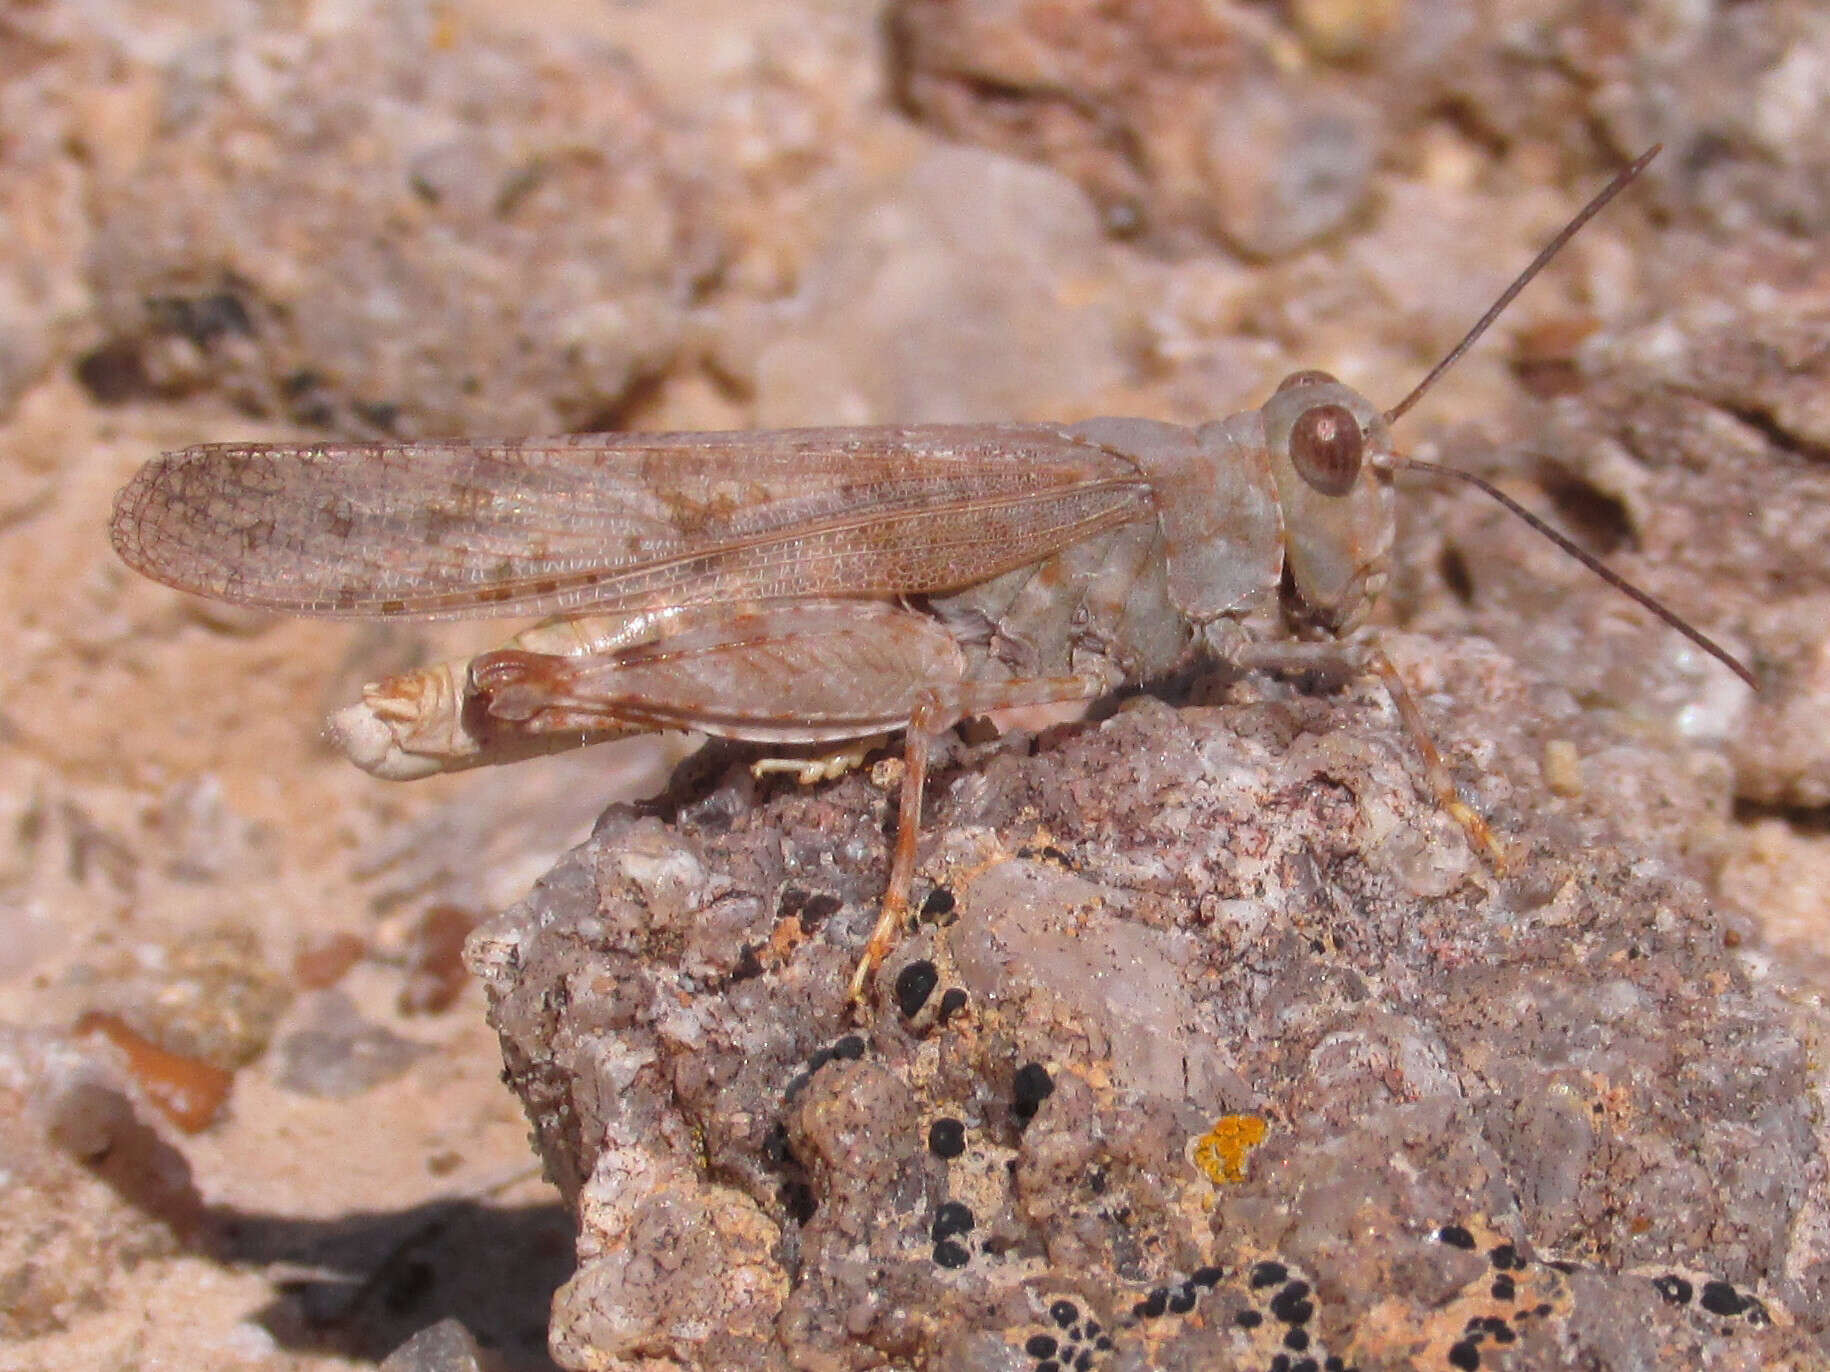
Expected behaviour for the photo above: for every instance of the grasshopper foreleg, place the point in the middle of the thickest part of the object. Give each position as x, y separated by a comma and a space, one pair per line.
1480, 834
1336, 659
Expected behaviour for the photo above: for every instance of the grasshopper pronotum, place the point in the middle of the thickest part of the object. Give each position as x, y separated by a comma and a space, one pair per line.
817, 586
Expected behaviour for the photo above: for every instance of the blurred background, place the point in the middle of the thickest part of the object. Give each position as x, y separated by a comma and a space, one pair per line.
259, 1123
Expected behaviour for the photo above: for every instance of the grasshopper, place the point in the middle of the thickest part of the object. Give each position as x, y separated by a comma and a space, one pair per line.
819, 587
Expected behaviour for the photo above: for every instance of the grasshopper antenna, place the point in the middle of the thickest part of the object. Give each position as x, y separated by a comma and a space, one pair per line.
1589, 560
1551, 249
1620, 182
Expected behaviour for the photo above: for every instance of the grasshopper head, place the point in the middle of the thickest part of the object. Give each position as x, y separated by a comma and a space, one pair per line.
1331, 458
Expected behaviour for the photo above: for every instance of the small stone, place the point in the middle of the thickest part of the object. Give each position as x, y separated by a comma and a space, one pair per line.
443, 1347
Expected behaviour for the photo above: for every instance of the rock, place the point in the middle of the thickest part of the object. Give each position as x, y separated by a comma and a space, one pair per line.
1512, 1110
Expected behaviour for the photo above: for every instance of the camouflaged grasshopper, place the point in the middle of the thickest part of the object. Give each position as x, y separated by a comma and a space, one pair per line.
815, 587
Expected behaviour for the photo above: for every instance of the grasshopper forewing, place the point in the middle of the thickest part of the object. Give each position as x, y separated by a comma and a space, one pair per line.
808, 587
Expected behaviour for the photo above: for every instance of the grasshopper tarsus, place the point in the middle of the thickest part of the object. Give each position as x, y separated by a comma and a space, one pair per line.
1448, 795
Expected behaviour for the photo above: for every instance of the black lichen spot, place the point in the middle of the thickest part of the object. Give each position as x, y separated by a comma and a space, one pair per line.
1563, 1265
1206, 1276
1093, 1330
1291, 1305
1296, 1340
1029, 1088
1719, 1298
914, 984
950, 1254
1182, 1300
938, 902
1248, 1319
1334, 1364
1503, 1288
1455, 1236
1084, 1363
1050, 1366
1464, 1356
1152, 1306
950, 1221
1103, 1343
1674, 1288
848, 1049
1064, 1313
946, 1138
1267, 1274
952, 1001
1505, 1257
1041, 1346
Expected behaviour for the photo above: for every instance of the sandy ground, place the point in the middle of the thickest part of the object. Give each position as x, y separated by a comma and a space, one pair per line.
227, 221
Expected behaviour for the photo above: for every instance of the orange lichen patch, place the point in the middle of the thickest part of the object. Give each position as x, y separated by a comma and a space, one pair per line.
188, 1092
1221, 1152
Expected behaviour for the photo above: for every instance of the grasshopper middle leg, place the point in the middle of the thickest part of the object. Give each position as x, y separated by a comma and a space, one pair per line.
935, 713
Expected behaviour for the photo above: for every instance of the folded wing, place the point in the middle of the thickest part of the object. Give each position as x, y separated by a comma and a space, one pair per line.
468, 529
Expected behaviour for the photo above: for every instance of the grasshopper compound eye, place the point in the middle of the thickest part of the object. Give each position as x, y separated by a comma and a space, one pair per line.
1326, 446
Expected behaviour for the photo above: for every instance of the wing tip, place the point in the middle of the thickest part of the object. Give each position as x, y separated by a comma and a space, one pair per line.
127, 520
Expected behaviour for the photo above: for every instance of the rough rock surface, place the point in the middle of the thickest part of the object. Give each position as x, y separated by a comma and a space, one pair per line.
221, 959
1445, 1113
